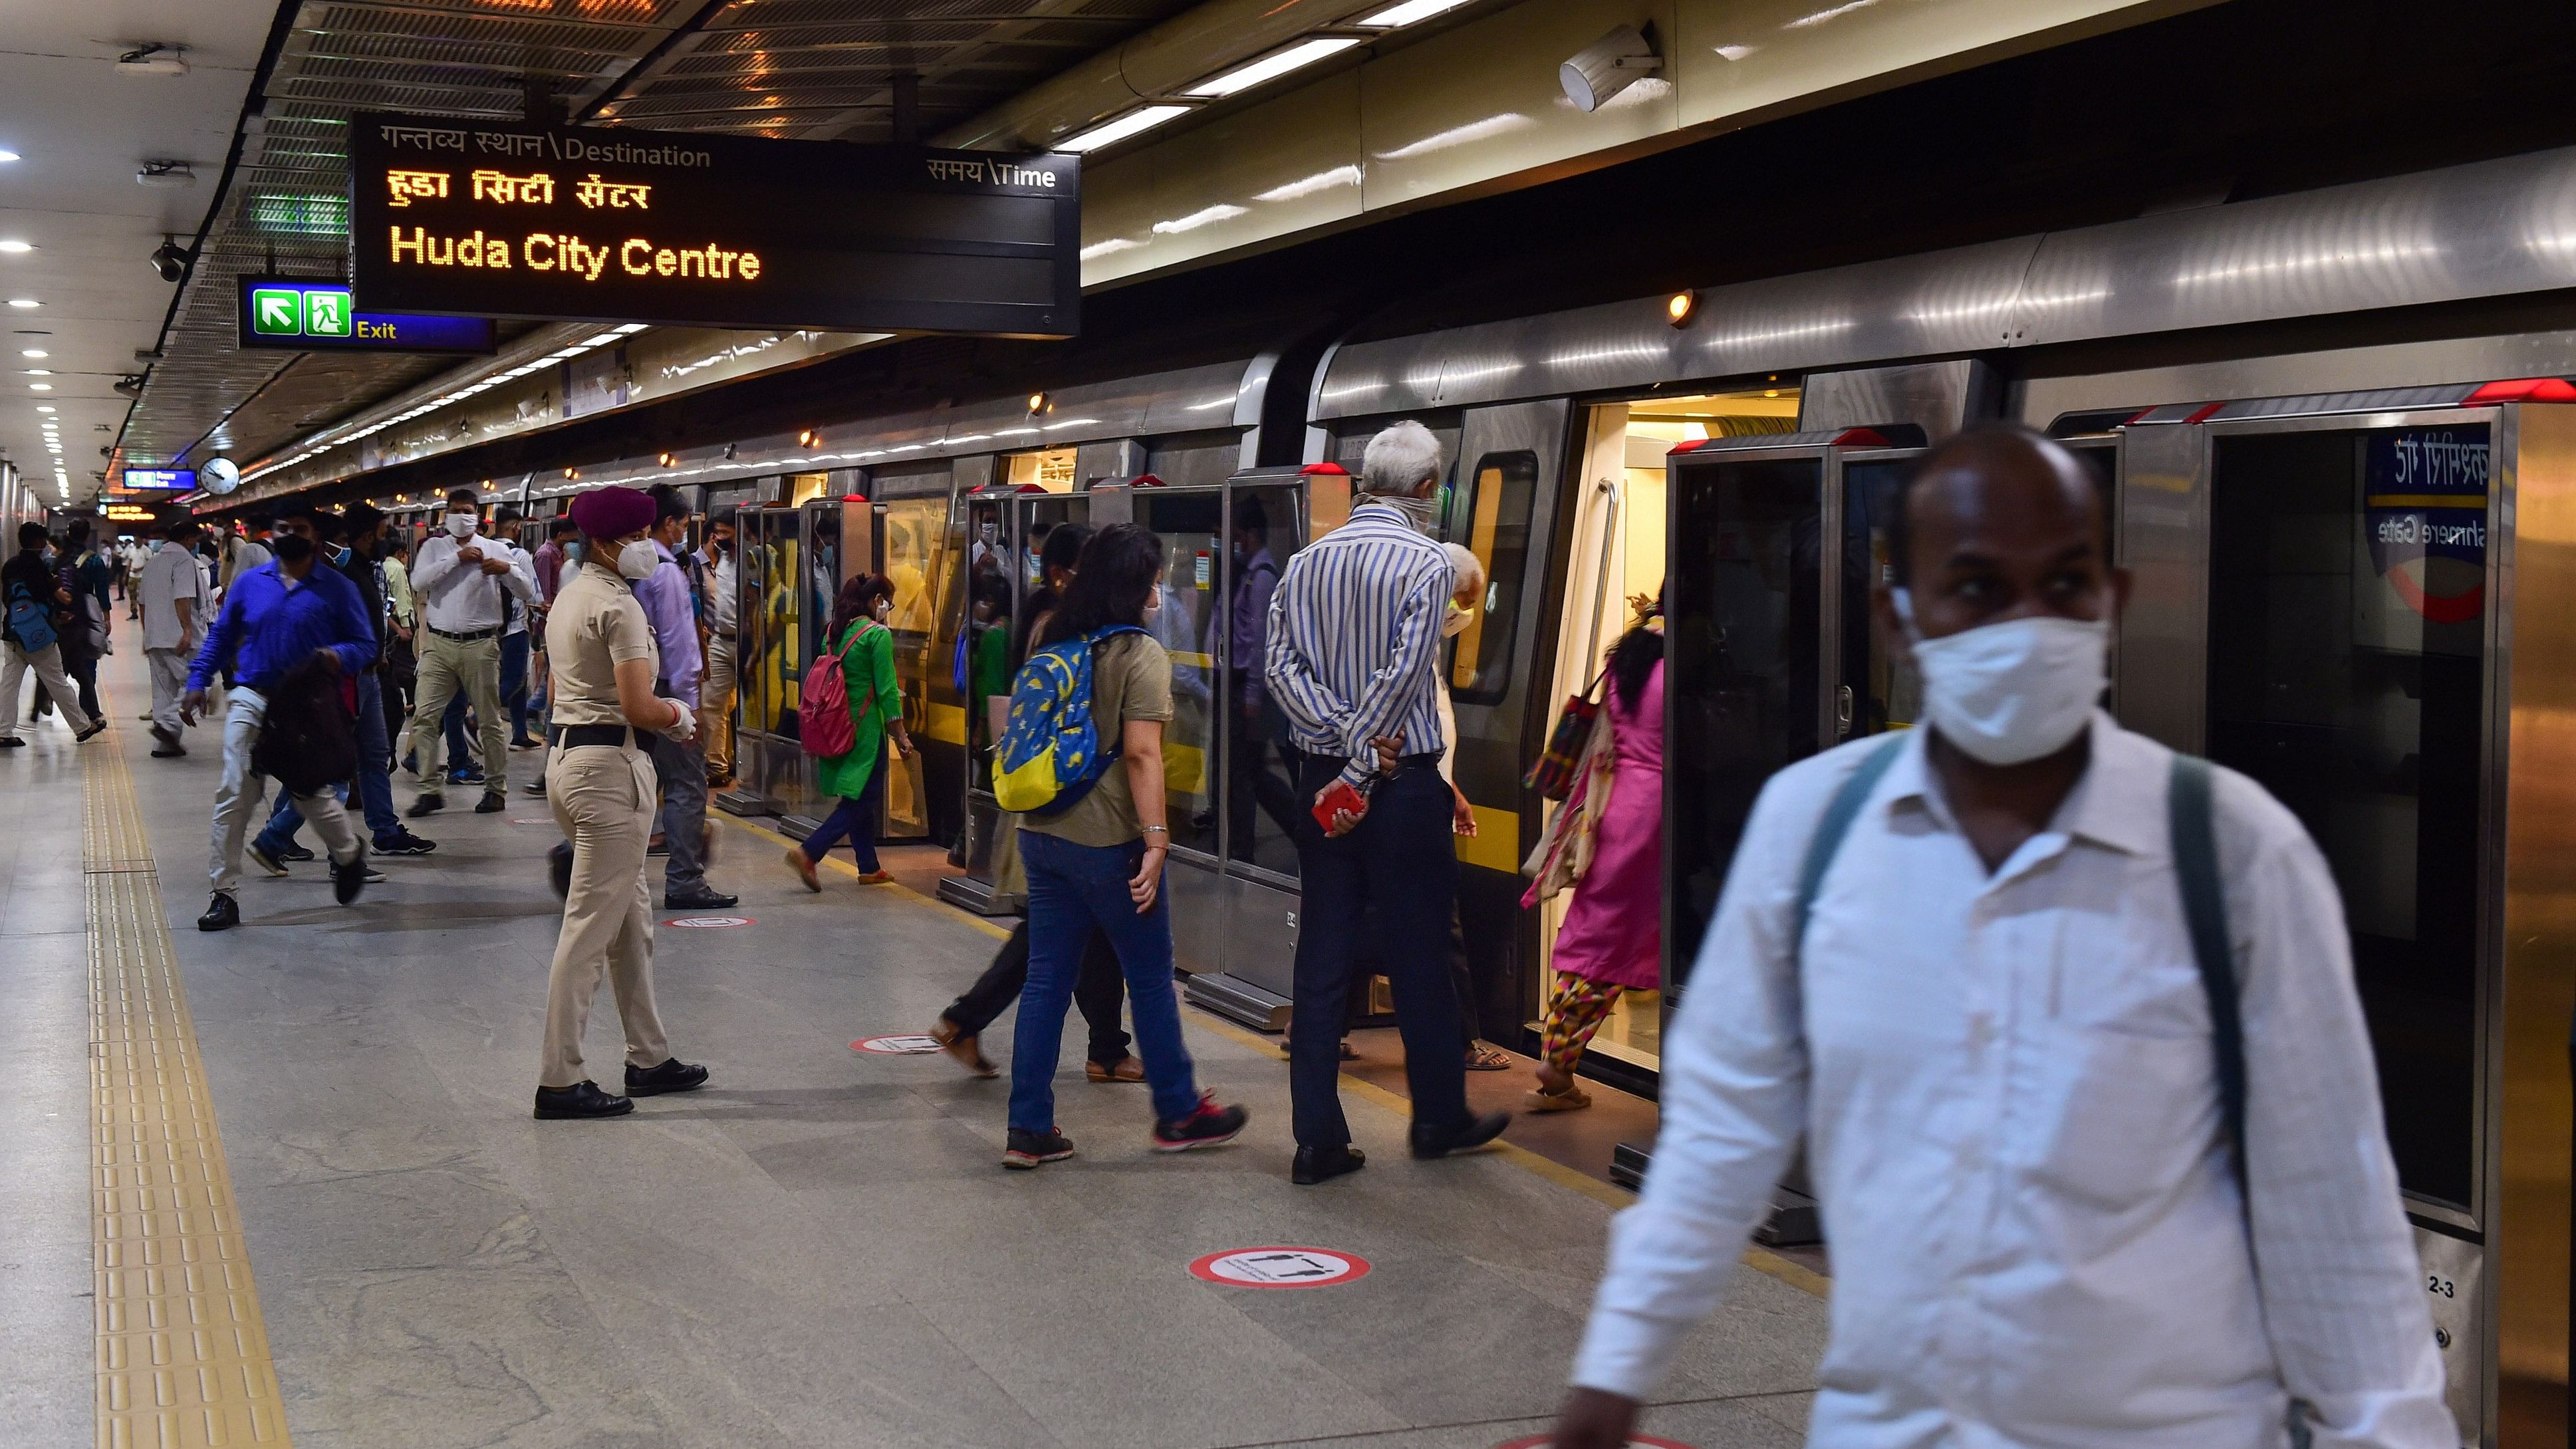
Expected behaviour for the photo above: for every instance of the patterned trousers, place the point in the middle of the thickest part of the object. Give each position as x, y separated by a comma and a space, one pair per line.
1575, 1010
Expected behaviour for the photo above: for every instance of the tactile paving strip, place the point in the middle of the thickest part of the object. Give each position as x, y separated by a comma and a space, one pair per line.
183, 1359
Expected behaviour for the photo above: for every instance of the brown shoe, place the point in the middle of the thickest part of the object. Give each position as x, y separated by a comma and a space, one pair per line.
1572, 1099
962, 1049
804, 868
875, 877
1127, 1069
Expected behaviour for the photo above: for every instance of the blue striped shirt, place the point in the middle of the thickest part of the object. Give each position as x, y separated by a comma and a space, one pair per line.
1355, 640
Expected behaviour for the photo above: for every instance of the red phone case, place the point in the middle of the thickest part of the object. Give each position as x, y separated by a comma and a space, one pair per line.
1338, 799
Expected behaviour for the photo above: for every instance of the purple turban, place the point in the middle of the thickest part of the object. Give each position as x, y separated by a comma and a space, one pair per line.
612, 512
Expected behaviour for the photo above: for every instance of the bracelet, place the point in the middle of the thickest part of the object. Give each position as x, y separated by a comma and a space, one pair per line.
1155, 829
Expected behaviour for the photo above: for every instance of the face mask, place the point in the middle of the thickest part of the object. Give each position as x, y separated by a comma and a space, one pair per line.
2014, 691
1454, 620
461, 524
637, 560
1422, 513
340, 555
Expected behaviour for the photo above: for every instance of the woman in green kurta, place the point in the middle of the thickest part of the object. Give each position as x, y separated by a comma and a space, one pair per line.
858, 634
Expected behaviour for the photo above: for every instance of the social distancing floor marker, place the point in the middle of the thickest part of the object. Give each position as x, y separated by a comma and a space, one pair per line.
903, 1045
708, 923
1543, 1441
183, 1355
1280, 1267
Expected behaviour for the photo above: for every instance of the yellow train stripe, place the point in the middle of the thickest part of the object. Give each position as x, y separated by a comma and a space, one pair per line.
945, 722
183, 1356
1496, 845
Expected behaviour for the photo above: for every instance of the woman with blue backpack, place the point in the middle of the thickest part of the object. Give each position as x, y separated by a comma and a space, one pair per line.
863, 648
1083, 759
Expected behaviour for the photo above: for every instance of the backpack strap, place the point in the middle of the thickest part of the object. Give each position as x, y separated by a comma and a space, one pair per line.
1836, 823
2204, 910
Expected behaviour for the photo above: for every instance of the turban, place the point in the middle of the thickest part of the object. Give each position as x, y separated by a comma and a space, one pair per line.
612, 512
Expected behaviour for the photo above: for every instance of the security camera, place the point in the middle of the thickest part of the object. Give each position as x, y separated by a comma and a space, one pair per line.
1608, 66
130, 385
170, 260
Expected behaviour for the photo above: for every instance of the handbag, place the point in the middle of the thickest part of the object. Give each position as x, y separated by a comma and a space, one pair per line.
1559, 764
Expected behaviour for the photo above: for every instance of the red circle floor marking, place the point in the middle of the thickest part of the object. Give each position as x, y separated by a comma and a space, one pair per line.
1642, 1441
902, 1044
1280, 1267
709, 923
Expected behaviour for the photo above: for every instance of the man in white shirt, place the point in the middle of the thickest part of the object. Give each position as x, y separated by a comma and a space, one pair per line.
716, 691
1992, 1029
459, 579
176, 609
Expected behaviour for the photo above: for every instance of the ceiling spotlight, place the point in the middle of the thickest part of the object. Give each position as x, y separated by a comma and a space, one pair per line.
1607, 66
14, 246
806, 438
568, 472
666, 460
1037, 403
170, 260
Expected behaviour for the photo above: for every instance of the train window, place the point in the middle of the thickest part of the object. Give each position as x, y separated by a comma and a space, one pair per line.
1492, 519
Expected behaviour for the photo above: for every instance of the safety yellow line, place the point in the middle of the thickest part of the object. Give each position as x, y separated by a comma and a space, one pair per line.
1796, 1275
183, 1356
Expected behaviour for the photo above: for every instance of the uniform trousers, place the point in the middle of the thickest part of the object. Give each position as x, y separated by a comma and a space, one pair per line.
169, 681
446, 667
603, 799
48, 665
237, 798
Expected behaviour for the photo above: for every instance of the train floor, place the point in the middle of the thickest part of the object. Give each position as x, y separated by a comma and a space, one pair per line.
282, 1182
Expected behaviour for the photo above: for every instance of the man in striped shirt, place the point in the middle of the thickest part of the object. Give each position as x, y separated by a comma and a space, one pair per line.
1354, 665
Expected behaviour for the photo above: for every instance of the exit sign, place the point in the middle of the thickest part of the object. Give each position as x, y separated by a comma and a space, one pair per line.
279, 312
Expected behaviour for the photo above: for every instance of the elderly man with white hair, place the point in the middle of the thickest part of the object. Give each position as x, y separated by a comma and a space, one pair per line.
1353, 664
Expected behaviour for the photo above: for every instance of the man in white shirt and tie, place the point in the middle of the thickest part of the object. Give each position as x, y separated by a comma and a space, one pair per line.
459, 578
1992, 1029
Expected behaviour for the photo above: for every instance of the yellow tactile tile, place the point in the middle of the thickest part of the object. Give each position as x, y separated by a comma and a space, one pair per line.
183, 1360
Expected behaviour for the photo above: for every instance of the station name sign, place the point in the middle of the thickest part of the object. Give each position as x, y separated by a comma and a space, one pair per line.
591, 225
303, 316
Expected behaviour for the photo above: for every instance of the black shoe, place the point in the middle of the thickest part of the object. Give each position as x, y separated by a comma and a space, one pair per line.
1323, 1164
1209, 1126
222, 914
96, 728
1428, 1143
581, 1099
169, 752
296, 852
559, 868
674, 1075
701, 899
1028, 1149
405, 843
536, 787
349, 879
167, 737
264, 860
411, 762
492, 803
12, 742
427, 805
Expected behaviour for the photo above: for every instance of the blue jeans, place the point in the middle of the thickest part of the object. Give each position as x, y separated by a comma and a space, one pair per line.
854, 821
375, 784
460, 749
1074, 889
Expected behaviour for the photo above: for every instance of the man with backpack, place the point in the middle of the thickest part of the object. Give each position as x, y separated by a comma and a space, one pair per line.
2070, 1027
31, 634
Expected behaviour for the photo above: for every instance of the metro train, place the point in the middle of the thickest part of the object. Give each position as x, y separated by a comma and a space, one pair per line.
2334, 427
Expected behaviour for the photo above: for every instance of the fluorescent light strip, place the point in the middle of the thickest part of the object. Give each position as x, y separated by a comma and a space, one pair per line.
1271, 67
1409, 12
1110, 133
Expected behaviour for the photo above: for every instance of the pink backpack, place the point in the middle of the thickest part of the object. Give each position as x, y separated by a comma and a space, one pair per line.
828, 728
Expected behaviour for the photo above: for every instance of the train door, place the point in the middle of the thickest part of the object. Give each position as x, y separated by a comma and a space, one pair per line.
767, 758
920, 543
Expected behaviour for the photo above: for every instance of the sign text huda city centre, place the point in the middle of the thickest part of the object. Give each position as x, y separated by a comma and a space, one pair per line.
721, 231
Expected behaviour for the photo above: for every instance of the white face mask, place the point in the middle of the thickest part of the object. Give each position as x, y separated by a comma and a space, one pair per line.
637, 560
2014, 691
461, 524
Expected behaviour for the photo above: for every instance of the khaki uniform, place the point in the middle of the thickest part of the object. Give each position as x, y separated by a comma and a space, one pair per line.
604, 798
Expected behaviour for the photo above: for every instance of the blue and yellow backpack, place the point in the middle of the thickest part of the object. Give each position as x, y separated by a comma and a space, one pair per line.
1051, 753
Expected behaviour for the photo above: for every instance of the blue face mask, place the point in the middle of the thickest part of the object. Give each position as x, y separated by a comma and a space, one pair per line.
340, 555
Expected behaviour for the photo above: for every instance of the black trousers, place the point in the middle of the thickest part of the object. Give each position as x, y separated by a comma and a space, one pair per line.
1100, 991
1395, 875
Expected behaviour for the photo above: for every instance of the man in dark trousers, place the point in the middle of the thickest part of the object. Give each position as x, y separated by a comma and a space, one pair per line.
1353, 658
33, 608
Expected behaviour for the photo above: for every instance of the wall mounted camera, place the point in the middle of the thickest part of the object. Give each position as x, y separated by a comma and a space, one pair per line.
170, 260
1608, 66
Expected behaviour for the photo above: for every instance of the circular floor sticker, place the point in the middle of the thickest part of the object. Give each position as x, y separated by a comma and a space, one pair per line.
707, 923
904, 1045
1280, 1268
1642, 1441
532, 820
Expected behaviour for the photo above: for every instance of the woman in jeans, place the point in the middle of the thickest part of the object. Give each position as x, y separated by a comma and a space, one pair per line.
1099, 865
866, 647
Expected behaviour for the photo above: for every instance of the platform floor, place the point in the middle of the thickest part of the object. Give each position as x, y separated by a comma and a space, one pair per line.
818, 1249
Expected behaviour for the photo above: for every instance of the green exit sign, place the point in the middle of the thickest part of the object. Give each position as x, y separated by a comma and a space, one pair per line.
279, 312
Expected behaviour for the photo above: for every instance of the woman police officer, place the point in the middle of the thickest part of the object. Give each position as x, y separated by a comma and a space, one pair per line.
600, 785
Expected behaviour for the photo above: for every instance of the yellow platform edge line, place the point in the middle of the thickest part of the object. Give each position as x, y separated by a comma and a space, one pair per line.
1761, 1260
182, 1348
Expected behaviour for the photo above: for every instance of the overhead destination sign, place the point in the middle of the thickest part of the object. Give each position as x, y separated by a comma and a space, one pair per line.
302, 316
593, 225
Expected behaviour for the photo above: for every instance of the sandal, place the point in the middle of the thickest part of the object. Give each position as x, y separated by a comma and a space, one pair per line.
1571, 1099
1482, 1058
798, 862
961, 1048
875, 877
1125, 1069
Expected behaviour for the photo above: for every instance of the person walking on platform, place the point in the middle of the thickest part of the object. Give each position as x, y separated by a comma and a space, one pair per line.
864, 646
2070, 1027
239, 553
280, 619
600, 786
681, 763
518, 635
1607, 842
176, 610
1353, 665
716, 691
84, 575
37, 610
466, 584
1096, 864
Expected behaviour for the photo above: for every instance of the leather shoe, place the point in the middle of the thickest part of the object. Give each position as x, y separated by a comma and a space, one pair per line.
699, 900
492, 803
426, 805
351, 877
1323, 1164
1429, 1142
581, 1099
674, 1075
222, 914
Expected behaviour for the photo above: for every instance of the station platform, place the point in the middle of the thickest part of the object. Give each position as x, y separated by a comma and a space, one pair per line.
281, 1184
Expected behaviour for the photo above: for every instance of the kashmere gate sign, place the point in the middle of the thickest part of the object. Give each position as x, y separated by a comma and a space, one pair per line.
572, 224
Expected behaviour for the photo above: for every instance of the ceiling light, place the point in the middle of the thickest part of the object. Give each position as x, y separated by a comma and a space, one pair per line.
34, 352
165, 173
1679, 306
40, 387
40, 372
1110, 133
807, 438
14, 246
1272, 66
7, 156
1409, 12
45, 409
24, 302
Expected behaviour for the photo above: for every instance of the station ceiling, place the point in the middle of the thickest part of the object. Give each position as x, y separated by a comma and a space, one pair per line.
807, 69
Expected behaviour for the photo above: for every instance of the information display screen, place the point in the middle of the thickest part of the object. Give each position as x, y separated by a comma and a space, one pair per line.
173, 480
597, 225
301, 316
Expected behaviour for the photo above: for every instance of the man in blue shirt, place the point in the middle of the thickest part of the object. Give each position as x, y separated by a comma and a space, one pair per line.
274, 618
